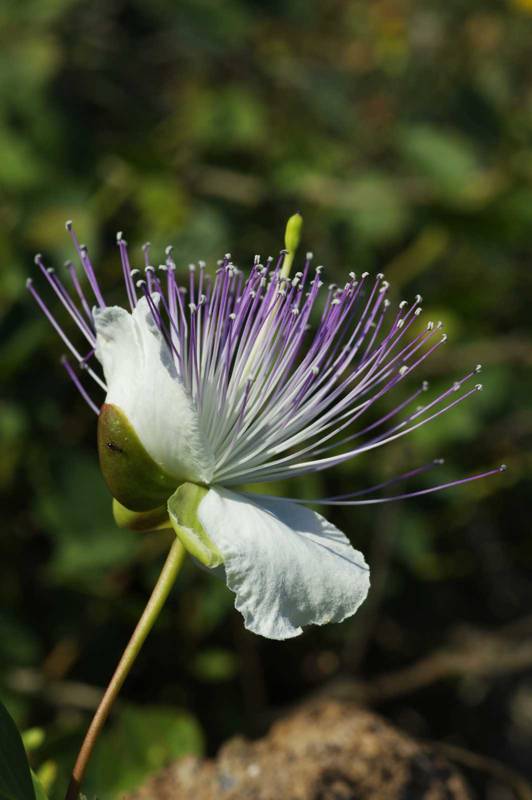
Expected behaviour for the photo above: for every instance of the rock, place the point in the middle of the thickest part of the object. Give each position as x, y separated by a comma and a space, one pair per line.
325, 750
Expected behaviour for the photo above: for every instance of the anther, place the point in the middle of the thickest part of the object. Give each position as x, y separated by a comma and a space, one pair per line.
68, 224
479, 387
503, 468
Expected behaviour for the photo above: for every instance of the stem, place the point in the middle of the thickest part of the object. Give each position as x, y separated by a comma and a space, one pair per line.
149, 615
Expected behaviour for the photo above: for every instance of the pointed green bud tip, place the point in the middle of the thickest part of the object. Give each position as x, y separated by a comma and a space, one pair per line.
183, 512
292, 235
156, 519
132, 476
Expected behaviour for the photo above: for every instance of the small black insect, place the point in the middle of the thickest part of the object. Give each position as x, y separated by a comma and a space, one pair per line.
114, 447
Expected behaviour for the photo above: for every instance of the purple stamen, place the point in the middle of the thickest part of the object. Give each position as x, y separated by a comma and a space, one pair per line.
79, 290
79, 386
268, 391
86, 264
338, 501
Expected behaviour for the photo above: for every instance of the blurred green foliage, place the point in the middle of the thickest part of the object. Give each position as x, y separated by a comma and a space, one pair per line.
402, 130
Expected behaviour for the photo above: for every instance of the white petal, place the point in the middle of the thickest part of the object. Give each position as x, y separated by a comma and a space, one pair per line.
287, 565
142, 381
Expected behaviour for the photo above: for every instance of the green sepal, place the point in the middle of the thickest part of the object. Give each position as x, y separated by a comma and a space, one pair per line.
183, 512
156, 519
38, 788
132, 476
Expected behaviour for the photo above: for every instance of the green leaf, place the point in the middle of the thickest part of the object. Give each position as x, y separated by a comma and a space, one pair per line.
215, 665
74, 508
445, 159
40, 794
142, 741
15, 776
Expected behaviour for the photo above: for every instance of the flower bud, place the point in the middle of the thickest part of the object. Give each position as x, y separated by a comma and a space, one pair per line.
292, 237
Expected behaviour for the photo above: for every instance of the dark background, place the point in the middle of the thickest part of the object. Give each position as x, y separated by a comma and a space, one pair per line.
402, 131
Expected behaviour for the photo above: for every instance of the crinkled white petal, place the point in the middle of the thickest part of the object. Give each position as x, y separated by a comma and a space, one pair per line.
142, 381
287, 565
